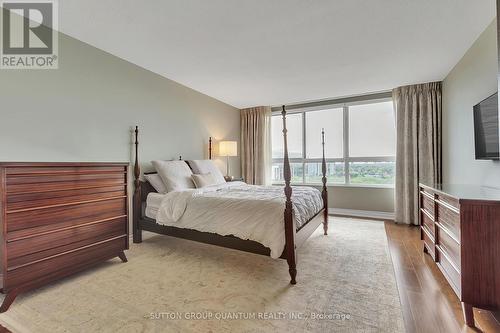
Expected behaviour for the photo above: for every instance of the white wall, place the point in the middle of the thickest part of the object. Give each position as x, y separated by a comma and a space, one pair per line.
85, 111
361, 198
368, 198
473, 79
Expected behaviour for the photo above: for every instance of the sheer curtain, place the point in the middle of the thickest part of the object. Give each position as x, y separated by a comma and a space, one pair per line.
418, 152
256, 145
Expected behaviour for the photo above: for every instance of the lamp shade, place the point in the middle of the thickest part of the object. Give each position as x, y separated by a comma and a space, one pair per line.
228, 148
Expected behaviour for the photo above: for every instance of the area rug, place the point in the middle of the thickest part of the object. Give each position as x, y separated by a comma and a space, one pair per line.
345, 283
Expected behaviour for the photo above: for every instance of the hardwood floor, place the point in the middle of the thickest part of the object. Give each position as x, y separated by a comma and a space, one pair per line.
428, 302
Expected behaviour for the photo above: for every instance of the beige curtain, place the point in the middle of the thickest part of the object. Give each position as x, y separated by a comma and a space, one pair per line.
418, 152
255, 144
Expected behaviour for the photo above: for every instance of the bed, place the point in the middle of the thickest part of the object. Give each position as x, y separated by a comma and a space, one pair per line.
272, 221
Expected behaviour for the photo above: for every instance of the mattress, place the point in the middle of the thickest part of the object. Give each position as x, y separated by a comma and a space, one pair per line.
245, 211
153, 203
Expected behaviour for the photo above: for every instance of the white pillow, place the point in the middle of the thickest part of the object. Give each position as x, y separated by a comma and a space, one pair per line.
175, 174
202, 180
155, 180
207, 166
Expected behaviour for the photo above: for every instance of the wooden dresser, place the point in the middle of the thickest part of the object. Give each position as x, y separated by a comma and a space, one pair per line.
57, 219
460, 229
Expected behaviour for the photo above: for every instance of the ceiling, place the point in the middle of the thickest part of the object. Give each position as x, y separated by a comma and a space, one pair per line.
262, 52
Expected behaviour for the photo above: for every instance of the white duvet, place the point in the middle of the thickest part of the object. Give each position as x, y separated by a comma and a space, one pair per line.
245, 211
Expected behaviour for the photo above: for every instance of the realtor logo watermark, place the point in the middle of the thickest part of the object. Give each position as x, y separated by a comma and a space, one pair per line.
29, 34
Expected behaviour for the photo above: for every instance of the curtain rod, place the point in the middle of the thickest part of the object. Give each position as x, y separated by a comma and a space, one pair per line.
342, 100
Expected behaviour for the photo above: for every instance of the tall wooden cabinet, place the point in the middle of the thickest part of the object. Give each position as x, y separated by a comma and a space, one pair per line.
57, 219
460, 229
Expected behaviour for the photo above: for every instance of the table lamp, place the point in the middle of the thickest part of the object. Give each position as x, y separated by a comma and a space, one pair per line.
228, 149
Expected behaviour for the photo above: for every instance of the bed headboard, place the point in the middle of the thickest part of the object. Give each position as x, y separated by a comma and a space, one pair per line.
146, 187
143, 185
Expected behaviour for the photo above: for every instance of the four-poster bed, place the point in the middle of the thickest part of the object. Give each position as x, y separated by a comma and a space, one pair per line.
294, 235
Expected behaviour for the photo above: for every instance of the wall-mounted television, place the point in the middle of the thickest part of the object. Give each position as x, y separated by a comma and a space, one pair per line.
486, 134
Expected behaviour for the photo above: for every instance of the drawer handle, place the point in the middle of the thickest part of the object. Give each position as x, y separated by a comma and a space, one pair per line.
427, 214
64, 204
448, 258
65, 173
66, 189
448, 232
429, 235
447, 205
430, 196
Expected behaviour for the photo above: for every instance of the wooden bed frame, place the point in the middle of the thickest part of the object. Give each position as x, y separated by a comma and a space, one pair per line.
294, 237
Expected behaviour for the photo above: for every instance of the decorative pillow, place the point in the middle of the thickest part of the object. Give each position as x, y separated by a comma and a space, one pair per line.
204, 179
155, 180
207, 166
176, 175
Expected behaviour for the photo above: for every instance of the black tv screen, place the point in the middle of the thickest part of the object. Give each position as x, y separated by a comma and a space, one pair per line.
486, 133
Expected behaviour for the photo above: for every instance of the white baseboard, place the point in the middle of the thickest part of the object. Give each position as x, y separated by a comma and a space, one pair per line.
371, 214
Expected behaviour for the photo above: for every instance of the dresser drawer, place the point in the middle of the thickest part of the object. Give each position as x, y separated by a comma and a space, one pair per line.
427, 190
14, 171
63, 178
56, 266
449, 201
26, 250
428, 242
427, 223
64, 185
450, 219
74, 214
450, 272
31, 201
427, 203
449, 245
40, 180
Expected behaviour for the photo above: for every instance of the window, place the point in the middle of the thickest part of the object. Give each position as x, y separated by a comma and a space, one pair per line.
334, 173
360, 144
371, 172
372, 130
331, 121
294, 127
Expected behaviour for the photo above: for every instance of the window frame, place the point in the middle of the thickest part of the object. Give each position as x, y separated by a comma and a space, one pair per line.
346, 159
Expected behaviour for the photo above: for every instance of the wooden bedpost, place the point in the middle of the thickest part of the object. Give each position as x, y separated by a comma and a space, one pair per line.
210, 148
137, 204
324, 193
290, 228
